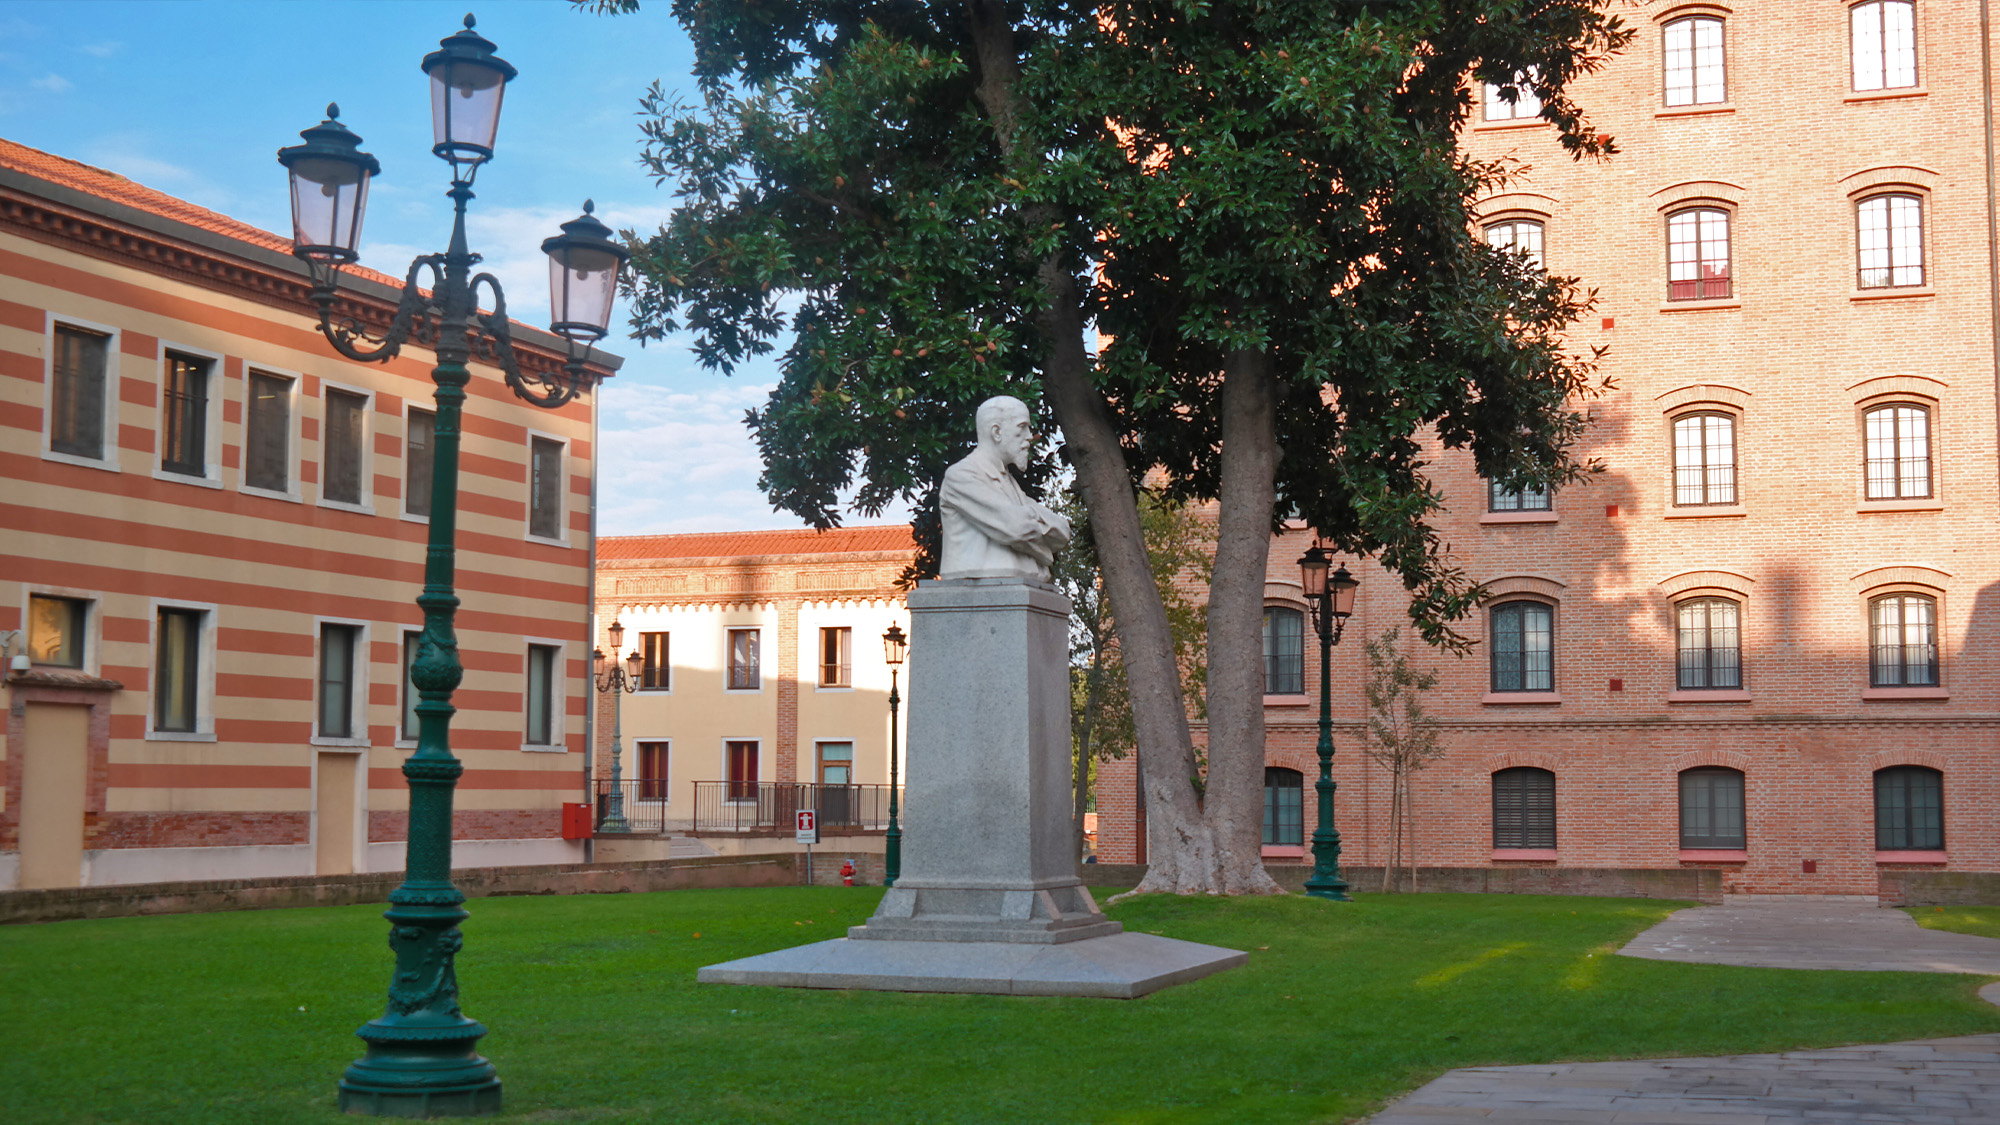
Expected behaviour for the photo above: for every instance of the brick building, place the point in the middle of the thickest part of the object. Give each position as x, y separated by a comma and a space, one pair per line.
1764, 640
762, 670
211, 535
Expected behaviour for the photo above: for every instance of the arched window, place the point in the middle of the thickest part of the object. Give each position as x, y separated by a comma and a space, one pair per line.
1521, 646
1903, 648
1909, 809
1284, 651
1698, 254
1693, 62
1522, 236
1883, 43
1897, 438
1710, 648
1712, 808
1524, 808
1704, 459
1889, 240
1284, 806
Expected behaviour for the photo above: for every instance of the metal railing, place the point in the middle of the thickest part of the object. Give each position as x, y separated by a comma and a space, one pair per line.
645, 804
767, 808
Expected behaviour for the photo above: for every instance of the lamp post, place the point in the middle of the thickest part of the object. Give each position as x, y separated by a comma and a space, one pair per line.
621, 677
895, 646
1332, 600
421, 1059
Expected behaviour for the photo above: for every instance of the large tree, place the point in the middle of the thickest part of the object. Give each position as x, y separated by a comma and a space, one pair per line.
1227, 240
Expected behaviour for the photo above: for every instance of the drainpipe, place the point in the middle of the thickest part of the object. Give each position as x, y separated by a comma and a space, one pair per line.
1992, 193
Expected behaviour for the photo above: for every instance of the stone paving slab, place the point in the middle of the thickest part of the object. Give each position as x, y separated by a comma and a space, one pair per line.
1924, 1082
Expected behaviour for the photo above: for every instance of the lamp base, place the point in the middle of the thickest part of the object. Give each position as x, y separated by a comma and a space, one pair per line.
408, 1073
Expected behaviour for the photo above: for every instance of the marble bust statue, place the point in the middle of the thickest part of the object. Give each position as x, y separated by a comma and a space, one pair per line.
991, 528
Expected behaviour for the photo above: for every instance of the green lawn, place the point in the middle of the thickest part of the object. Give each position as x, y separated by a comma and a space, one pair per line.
248, 1017
1981, 920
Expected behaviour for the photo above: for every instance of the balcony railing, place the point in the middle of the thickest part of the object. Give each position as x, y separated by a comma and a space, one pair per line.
769, 809
645, 804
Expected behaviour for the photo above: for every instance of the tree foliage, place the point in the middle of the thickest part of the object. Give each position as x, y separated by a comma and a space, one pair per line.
1259, 204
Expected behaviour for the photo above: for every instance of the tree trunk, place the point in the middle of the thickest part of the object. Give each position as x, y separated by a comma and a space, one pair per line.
1410, 816
1085, 739
1395, 826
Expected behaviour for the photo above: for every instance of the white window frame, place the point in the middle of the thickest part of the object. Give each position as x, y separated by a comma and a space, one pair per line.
641, 632
558, 697
403, 457
407, 696
367, 505
561, 538
357, 705
853, 761
112, 345
204, 722
293, 441
728, 631
211, 454
93, 622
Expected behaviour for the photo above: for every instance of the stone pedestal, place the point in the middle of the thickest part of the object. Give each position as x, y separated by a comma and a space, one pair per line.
988, 899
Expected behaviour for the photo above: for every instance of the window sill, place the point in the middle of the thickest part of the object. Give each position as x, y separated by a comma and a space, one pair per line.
1517, 698
1708, 512
1701, 110
186, 478
1714, 855
406, 744
542, 748
1284, 851
654, 691
1892, 293
1911, 858
1705, 304
180, 736
1892, 693
1892, 94
1518, 517
412, 517
546, 541
743, 691
108, 464
1286, 700
1704, 696
1510, 123
835, 689
1524, 853
348, 743
344, 506
1927, 505
270, 494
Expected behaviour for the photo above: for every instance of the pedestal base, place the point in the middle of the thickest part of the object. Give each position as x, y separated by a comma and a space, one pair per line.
1054, 913
1119, 966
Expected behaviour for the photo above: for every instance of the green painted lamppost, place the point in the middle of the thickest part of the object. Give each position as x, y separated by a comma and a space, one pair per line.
421, 1059
622, 678
1331, 597
895, 646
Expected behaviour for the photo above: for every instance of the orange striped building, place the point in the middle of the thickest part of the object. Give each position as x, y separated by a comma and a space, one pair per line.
212, 532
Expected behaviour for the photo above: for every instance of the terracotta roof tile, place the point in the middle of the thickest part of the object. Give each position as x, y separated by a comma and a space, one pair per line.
750, 544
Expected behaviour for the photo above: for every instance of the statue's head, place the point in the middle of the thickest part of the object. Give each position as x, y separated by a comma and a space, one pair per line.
1003, 427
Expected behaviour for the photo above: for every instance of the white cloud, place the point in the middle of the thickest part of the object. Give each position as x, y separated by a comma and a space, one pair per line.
52, 83
103, 50
680, 460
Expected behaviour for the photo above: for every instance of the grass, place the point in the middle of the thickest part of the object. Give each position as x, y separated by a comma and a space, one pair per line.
248, 1017
1981, 920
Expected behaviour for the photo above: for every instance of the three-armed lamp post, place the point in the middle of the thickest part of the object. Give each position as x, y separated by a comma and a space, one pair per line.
421, 1059
895, 646
1332, 599
623, 678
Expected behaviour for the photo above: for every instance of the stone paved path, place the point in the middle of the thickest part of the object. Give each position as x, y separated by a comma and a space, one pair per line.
1926, 1082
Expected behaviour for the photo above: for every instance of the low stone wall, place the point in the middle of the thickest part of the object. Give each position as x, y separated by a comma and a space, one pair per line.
1689, 884
343, 890
1938, 888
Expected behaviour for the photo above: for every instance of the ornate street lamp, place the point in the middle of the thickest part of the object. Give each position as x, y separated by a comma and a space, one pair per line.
624, 679
1332, 599
894, 647
421, 1059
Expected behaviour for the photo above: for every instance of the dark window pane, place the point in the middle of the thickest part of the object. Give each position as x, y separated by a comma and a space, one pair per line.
1903, 647
1909, 809
1522, 647
267, 462
742, 770
744, 673
545, 500
77, 390
346, 419
541, 695
419, 449
655, 671
1502, 499
1712, 809
1524, 808
653, 762
1284, 806
1710, 645
184, 416
411, 697
1284, 651
835, 665
55, 630
336, 680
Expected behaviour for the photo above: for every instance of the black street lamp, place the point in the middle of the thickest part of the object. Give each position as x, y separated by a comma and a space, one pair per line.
621, 677
894, 647
421, 1059
1332, 600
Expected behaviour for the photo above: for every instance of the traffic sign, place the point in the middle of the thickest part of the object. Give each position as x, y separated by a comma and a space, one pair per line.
808, 826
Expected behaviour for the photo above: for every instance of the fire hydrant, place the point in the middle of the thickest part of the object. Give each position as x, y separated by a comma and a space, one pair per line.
847, 874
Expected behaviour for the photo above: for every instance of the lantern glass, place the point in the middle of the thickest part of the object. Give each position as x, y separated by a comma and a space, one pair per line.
1342, 586
465, 109
583, 281
328, 199
617, 634
597, 662
635, 663
894, 646
1312, 571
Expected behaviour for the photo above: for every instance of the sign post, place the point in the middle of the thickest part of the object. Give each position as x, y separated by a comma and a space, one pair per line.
807, 833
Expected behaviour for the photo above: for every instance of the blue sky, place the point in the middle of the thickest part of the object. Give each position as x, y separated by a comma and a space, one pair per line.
194, 98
